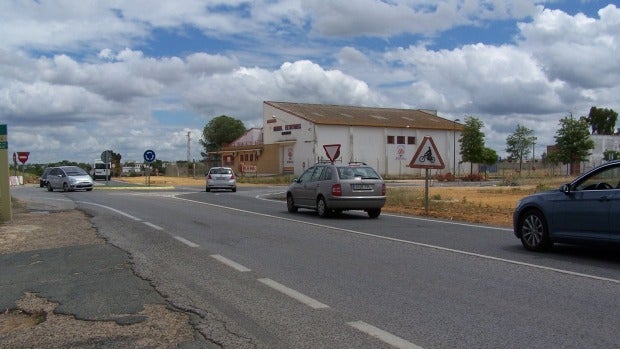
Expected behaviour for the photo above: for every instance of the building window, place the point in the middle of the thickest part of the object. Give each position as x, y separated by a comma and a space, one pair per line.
410, 140
400, 139
390, 139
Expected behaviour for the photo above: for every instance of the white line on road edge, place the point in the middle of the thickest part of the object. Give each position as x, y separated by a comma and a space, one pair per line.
185, 241
439, 248
312, 303
380, 334
112, 209
231, 263
157, 227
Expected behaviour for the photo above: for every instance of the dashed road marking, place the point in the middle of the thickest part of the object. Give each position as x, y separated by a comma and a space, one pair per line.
185, 241
312, 303
383, 336
231, 263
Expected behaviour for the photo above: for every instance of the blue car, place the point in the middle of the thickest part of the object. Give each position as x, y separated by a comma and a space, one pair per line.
584, 211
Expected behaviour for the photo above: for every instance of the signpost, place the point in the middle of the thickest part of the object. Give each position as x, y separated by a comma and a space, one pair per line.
5, 195
149, 157
332, 151
427, 157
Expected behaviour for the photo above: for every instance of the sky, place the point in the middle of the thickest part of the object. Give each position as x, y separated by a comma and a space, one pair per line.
78, 77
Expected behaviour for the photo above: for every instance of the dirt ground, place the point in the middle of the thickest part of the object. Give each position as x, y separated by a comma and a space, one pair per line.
35, 325
475, 204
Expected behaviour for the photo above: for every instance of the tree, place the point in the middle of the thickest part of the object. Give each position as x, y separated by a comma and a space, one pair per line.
489, 158
472, 141
219, 131
519, 143
602, 120
573, 142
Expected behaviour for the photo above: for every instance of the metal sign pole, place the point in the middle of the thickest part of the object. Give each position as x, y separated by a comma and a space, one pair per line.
426, 191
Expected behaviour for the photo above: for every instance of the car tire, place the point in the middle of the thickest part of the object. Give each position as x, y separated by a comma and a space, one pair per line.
534, 233
321, 207
234, 190
89, 189
49, 187
374, 212
290, 204
207, 189
65, 187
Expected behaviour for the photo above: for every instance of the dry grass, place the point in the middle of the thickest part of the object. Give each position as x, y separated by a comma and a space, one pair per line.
480, 204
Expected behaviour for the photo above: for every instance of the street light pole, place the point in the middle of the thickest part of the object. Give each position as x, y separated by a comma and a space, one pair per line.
454, 146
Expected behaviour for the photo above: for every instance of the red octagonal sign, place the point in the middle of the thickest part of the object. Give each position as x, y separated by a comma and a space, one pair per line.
23, 156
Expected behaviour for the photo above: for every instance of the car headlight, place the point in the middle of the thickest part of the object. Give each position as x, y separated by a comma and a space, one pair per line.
72, 180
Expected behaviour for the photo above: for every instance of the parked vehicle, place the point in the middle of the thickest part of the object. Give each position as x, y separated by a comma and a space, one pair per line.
43, 178
69, 178
332, 188
101, 170
221, 178
586, 210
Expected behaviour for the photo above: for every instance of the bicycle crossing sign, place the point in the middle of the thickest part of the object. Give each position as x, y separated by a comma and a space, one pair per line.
427, 156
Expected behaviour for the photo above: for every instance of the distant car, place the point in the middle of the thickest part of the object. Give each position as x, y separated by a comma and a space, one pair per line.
332, 188
584, 211
43, 178
221, 178
69, 178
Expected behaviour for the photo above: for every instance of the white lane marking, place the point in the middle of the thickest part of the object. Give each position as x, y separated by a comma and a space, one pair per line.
439, 248
185, 241
312, 303
156, 227
113, 210
382, 335
231, 263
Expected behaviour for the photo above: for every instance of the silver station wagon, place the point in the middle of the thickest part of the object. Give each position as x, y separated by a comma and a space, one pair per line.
332, 188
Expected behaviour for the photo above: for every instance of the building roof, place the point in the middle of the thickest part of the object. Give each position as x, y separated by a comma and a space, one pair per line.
322, 114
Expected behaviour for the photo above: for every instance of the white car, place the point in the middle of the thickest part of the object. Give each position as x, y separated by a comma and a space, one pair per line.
221, 178
69, 178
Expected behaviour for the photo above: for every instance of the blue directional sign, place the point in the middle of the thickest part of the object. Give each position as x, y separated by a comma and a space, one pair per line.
149, 156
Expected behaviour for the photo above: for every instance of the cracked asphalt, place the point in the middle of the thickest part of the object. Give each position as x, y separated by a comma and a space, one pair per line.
63, 286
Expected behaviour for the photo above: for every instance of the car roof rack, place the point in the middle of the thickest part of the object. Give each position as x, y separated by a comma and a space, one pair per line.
357, 163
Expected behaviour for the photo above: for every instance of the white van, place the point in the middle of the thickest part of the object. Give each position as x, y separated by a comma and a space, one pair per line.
101, 170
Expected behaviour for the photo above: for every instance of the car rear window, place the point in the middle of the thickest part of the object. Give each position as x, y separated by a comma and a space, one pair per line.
350, 172
221, 171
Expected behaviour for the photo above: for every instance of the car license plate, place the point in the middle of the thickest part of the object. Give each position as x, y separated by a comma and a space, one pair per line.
361, 187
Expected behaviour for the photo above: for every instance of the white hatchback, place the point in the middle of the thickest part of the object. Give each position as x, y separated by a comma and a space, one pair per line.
221, 178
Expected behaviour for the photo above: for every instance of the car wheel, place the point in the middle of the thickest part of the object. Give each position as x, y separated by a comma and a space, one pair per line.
290, 204
207, 189
321, 207
374, 212
65, 187
234, 190
49, 187
89, 189
534, 233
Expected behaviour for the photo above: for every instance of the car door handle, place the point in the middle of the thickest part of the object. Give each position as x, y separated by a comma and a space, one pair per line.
604, 198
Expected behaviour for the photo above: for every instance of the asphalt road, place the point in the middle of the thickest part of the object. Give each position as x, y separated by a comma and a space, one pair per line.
259, 276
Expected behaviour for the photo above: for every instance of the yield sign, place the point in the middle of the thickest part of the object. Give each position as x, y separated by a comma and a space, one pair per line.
427, 156
23, 156
332, 151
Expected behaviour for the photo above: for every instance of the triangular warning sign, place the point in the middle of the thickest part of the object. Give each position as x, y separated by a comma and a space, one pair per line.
427, 156
332, 151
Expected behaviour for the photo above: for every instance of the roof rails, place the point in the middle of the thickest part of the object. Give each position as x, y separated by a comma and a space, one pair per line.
357, 163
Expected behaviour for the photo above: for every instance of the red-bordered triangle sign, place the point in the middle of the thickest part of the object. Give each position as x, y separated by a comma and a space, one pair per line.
427, 156
332, 151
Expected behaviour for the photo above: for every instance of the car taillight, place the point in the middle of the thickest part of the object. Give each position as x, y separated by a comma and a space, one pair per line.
383, 189
336, 190
232, 176
209, 176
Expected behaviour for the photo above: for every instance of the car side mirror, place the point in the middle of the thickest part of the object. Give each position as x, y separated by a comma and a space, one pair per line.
565, 188
295, 180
